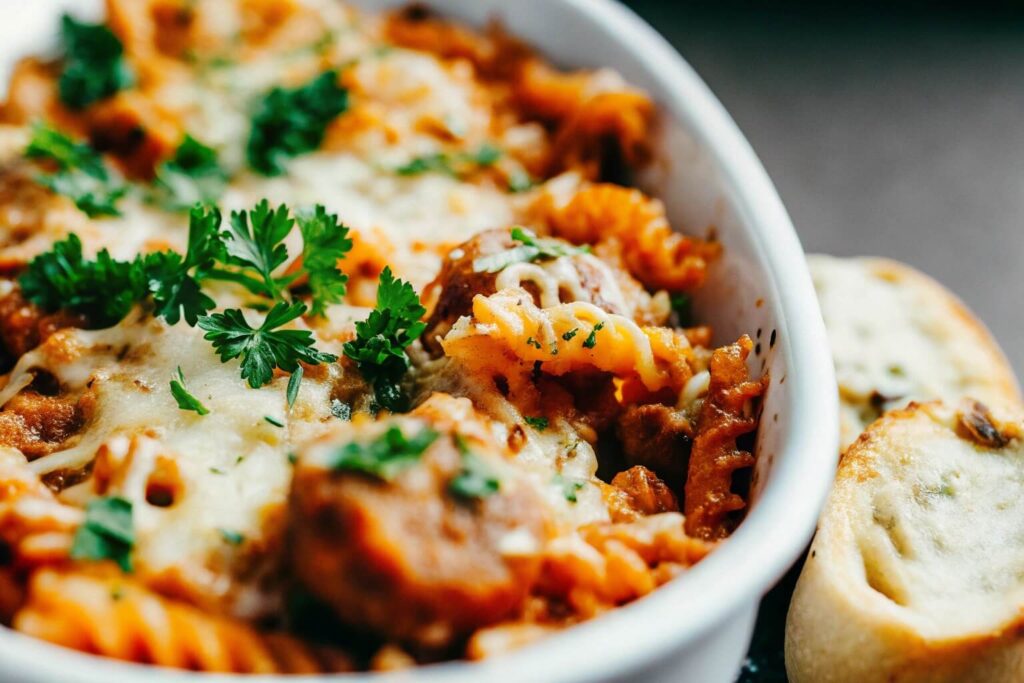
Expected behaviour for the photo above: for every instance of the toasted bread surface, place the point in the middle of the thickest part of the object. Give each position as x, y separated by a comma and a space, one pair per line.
897, 336
917, 569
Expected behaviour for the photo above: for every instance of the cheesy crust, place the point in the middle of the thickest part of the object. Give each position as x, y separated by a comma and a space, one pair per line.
522, 470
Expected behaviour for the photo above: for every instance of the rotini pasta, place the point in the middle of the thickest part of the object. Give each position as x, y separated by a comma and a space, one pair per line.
438, 398
105, 613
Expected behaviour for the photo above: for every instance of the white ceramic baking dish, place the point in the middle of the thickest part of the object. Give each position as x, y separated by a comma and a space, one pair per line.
698, 627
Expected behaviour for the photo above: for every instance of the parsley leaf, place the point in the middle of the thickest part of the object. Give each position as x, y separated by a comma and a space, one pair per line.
451, 164
265, 347
94, 66
530, 248
192, 176
293, 386
324, 242
260, 247
103, 290
289, 122
569, 487
381, 339
476, 479
232, 537
81, 174
591, 340
538, 423
385, 456
107, 532
682, 306
186, 401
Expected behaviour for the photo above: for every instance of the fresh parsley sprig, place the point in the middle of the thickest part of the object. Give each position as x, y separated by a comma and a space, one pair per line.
530, 248
325, 241
266, 347
381, 339
81, 175
93, 65
292, 121
476, 479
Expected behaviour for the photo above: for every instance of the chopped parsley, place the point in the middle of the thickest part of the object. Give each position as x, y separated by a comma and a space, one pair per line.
538, 423
192, 176
569, 487
530, 341
293, 386
81, 175
682, 306
567, 336
186, 401
591, 340
292, 121
266, 347
232, 537
454, 165
93, 66
274, 421
475, 480
530, 248
385, 456
107, 533
381, 339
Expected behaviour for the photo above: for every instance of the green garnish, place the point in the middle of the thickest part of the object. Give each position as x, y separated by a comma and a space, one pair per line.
293, 386
450, 164
682, 306
381, 339
274, 421
570, 334
186, 401
475, 480
538, 423
520, 181
255, 248
107, 532
325, 241
265, 347
530, 248
385, 456
81, 174
569, 487
591, 340
93, 65
232, 537
192, 176
530, 341
292, 121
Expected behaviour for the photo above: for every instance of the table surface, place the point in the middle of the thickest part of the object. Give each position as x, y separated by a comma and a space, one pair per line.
897, 134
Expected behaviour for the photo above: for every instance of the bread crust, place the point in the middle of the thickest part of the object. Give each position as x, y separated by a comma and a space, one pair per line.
898, 335
914, 574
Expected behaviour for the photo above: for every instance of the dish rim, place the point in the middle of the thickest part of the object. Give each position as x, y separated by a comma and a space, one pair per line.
725, 582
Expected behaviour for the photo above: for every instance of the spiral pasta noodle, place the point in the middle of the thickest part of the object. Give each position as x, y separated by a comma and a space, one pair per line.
105, 613
655, 254
572, 336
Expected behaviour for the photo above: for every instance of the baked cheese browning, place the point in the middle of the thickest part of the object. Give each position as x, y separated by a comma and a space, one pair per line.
716, 456
99, 611
330, 343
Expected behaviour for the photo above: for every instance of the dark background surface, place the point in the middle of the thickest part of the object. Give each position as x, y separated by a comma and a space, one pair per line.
890, 129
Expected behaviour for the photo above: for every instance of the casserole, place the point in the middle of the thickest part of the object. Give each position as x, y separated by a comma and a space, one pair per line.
707, 177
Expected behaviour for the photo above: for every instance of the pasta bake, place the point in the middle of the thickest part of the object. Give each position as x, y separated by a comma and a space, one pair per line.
342, 341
